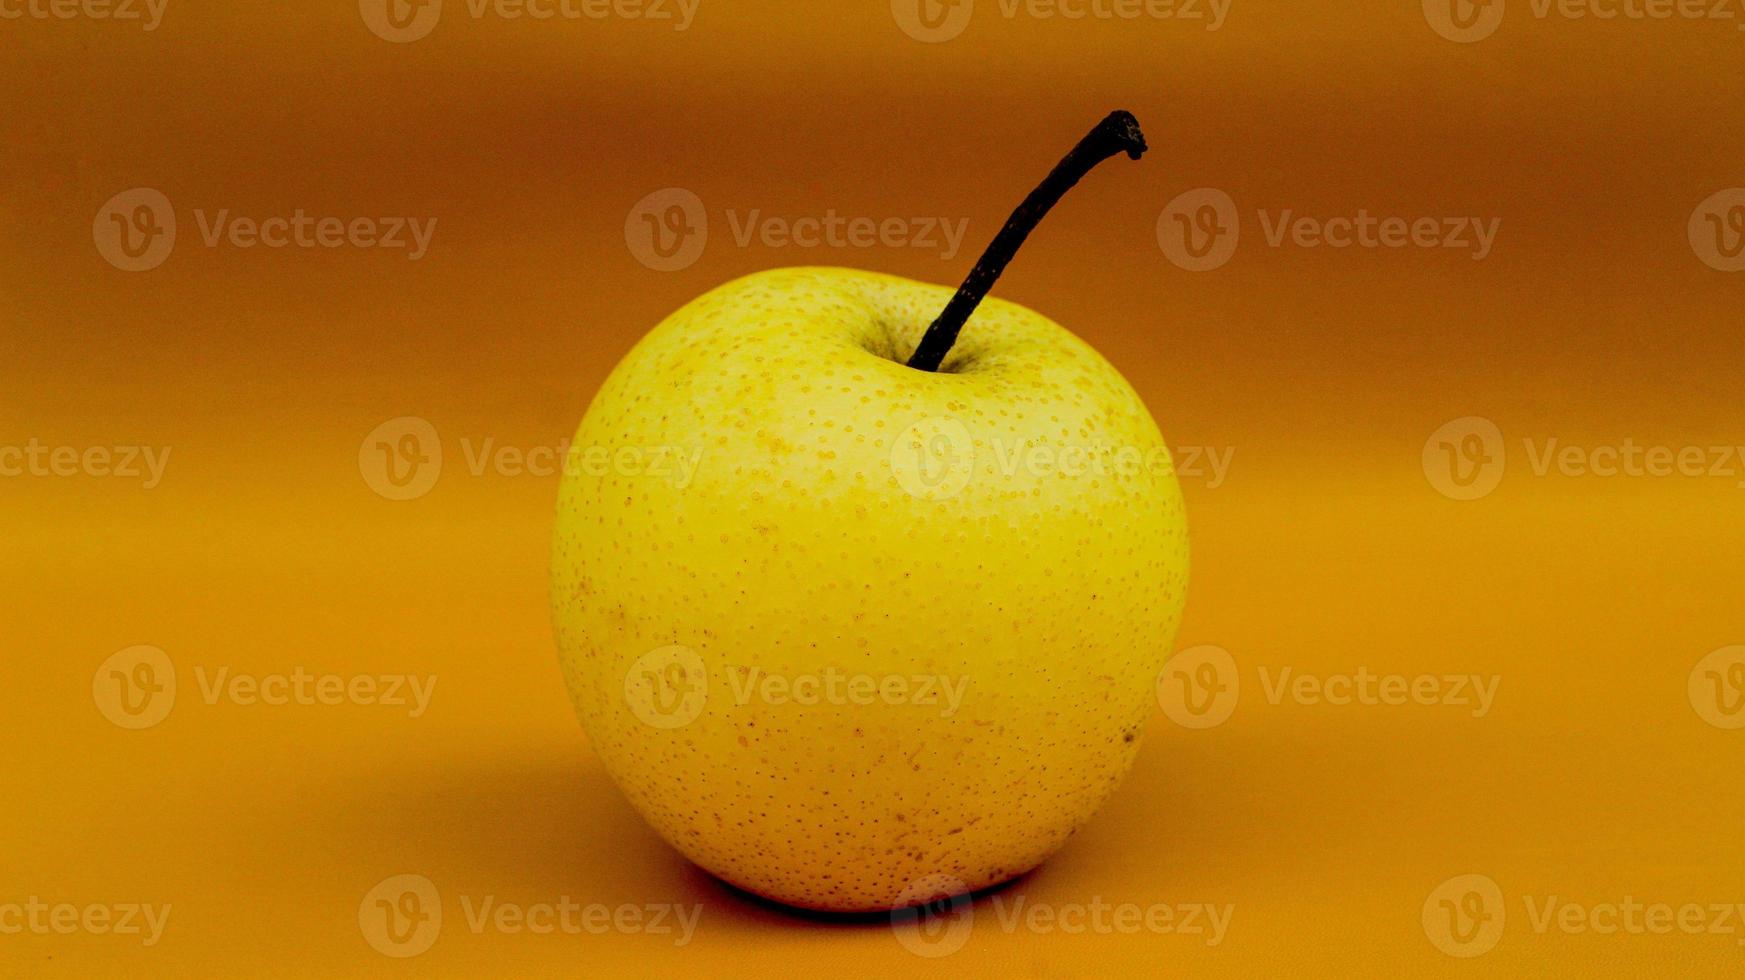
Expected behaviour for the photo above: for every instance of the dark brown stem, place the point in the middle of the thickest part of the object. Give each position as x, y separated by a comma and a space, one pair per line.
1117, 133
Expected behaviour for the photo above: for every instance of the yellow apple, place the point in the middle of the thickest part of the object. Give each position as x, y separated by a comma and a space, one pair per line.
843, 629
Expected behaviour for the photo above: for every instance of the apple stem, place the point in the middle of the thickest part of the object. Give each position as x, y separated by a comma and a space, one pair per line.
1117, 133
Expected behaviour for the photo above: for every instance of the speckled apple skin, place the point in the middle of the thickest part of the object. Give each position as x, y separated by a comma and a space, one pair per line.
795, 549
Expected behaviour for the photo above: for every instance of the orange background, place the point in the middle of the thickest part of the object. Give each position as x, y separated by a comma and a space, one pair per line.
1325, 549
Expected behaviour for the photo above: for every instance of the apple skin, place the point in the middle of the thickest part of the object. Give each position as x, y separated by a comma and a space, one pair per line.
806, 545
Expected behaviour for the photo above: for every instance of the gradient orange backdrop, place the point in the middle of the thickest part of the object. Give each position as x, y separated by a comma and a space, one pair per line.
1598, 776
